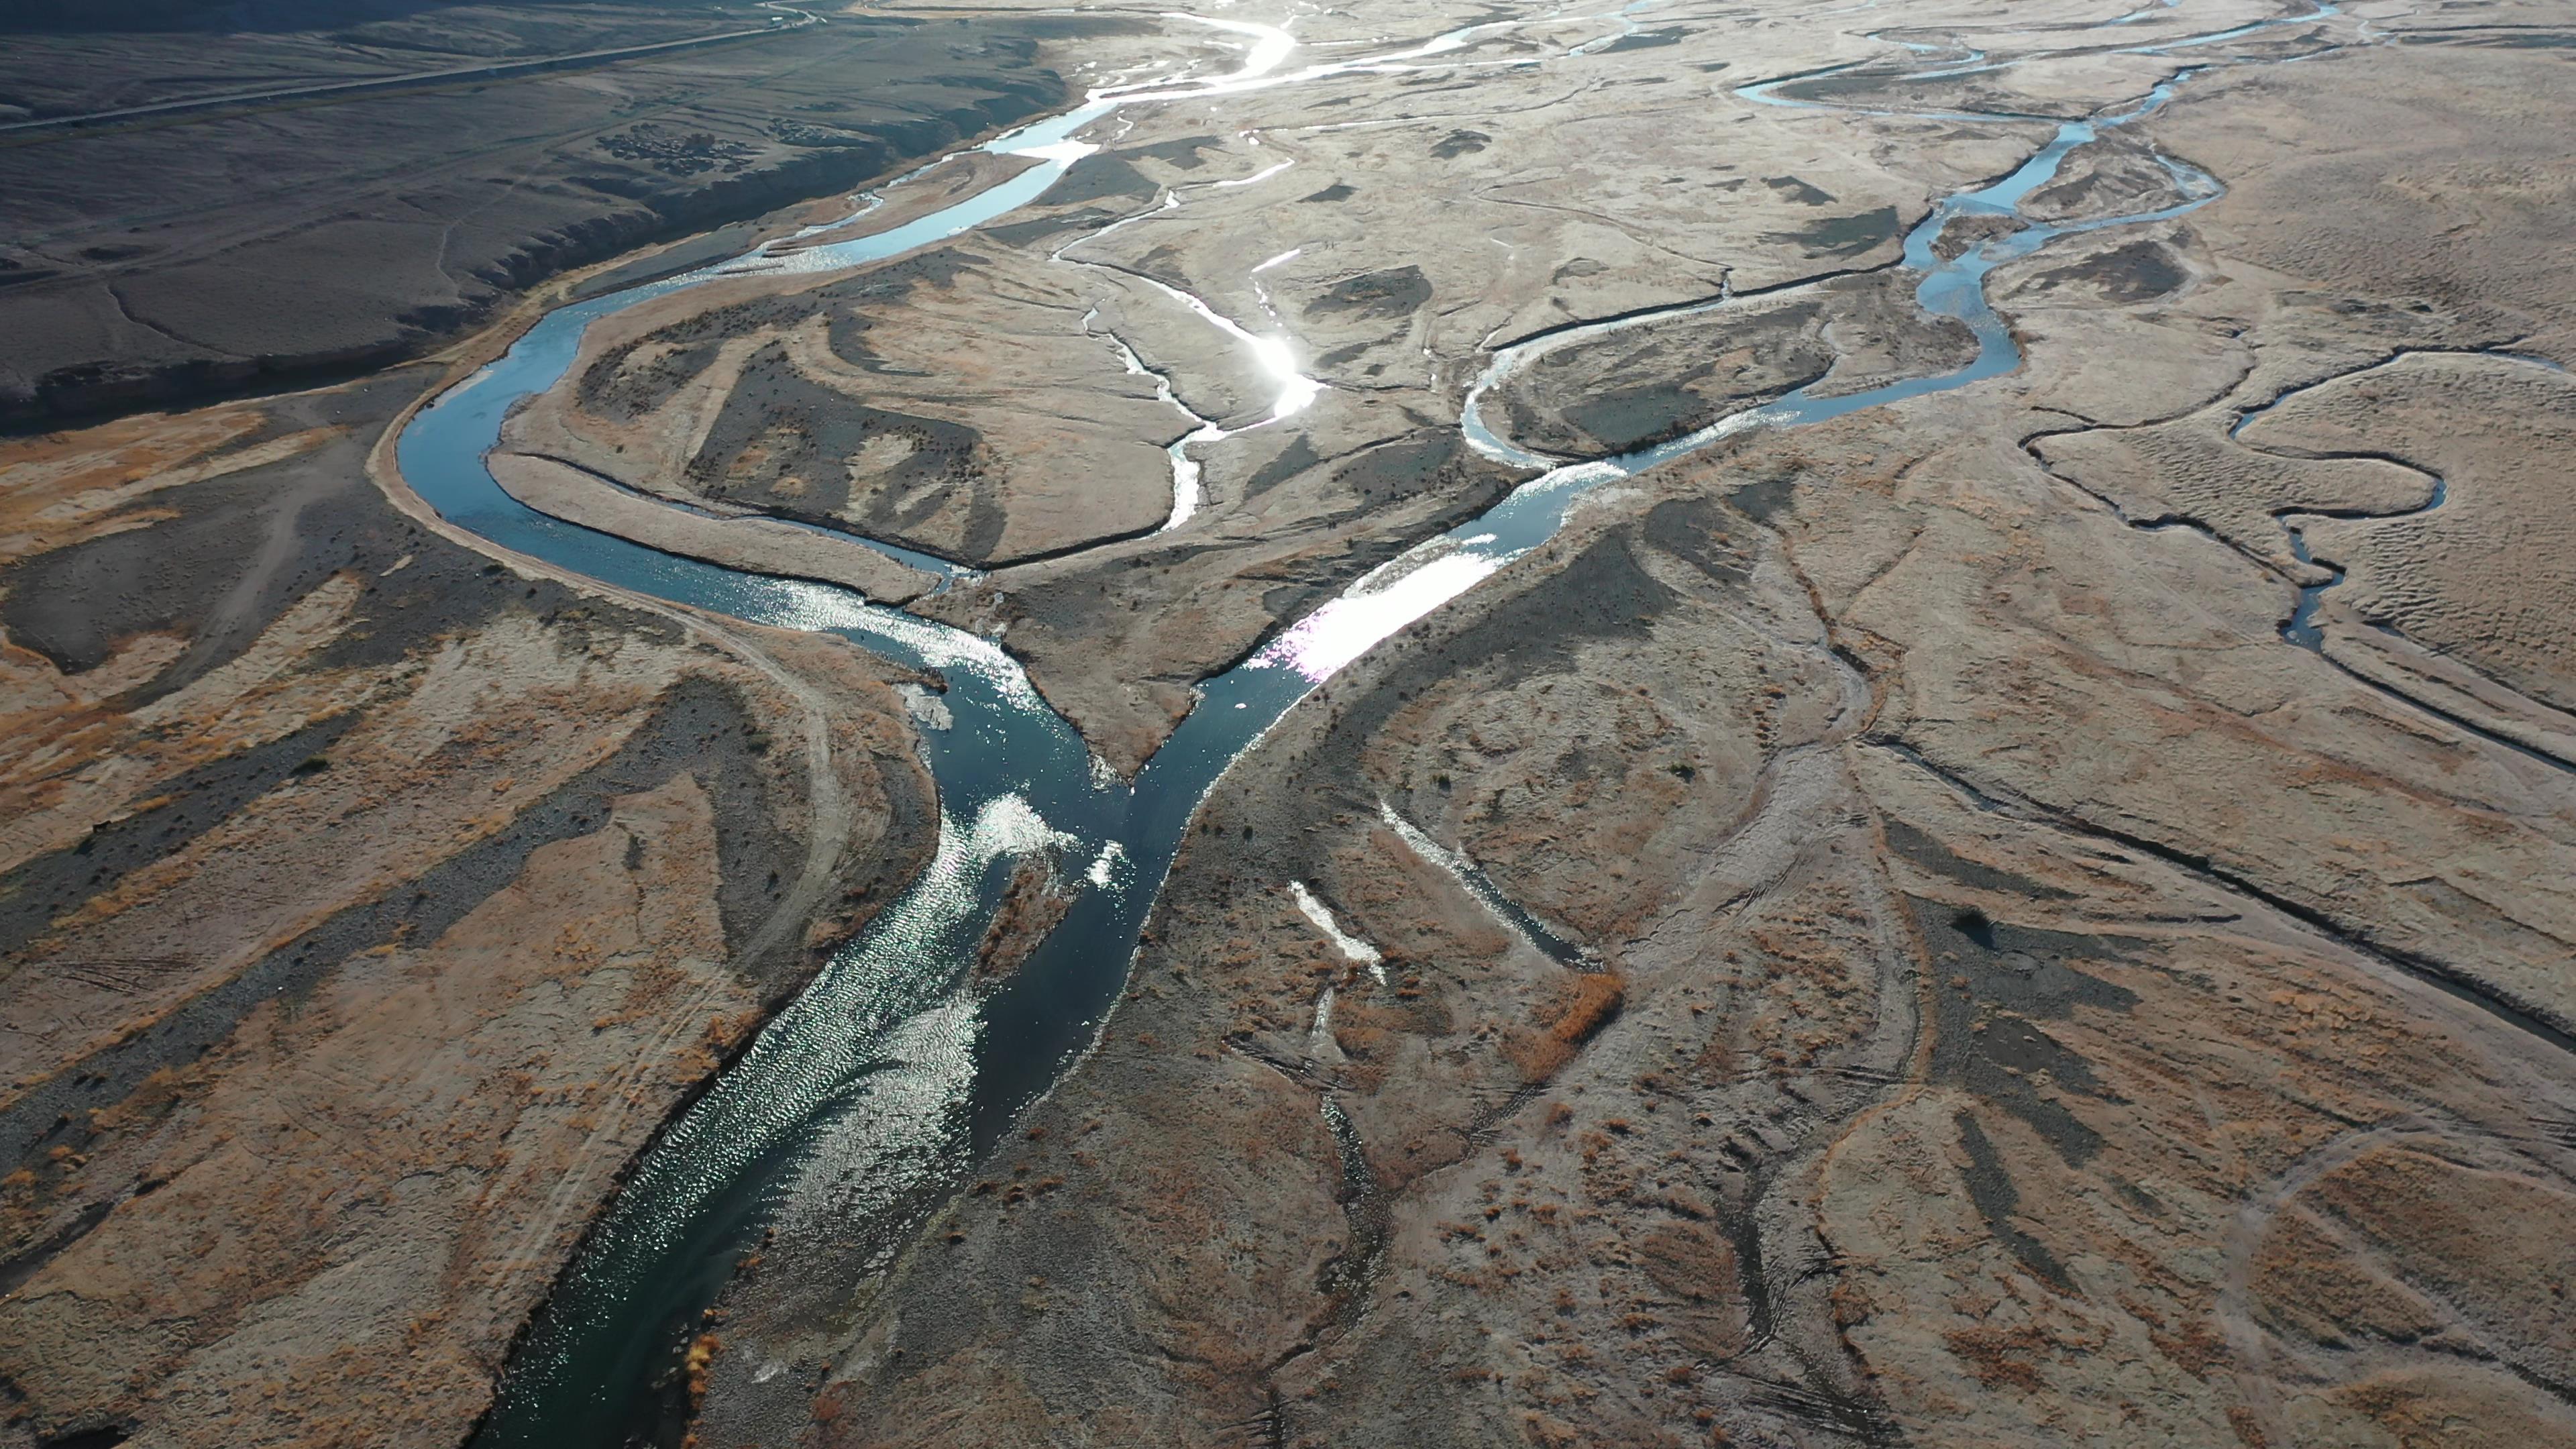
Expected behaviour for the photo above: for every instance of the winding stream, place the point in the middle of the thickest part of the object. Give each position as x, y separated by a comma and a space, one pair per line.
864, 1101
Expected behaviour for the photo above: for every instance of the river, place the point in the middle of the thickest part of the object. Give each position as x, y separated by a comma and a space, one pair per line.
875, 1090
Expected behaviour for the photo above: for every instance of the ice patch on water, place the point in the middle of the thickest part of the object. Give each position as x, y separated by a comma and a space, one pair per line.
927, 709
1109, 868
1353, 949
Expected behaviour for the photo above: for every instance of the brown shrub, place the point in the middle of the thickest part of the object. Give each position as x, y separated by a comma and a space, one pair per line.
1690, 1262
2000, 1357
1584, 1005
701, 1360
1581, 1006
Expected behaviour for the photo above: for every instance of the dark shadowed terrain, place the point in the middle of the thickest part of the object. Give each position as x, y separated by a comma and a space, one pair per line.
288, 232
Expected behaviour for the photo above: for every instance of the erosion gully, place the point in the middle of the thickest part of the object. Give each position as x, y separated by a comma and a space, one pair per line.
877, 1089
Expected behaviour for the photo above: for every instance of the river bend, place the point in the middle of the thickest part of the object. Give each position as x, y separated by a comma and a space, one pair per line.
871, 1093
